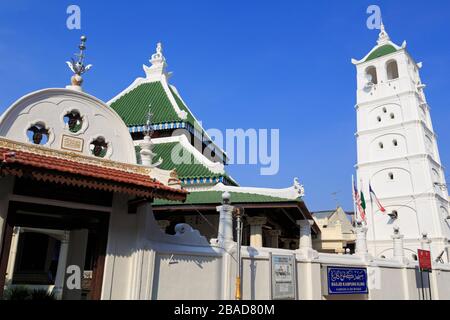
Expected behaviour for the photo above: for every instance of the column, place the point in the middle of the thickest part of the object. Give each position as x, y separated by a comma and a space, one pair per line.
76, 257
399, 253
12, 256
305, 233
361, 240
256, 237
146, 151
286, 243
273, 236
225, 234
62, 265
164, 224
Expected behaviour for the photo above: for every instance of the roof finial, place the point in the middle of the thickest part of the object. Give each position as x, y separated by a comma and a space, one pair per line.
78, 67
383, 37
158, 57
146, 145
148, 131
158, 62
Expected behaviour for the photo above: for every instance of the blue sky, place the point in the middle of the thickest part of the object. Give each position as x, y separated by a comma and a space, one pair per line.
239, 64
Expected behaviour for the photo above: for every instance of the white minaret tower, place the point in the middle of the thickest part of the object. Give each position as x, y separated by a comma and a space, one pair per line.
398, 153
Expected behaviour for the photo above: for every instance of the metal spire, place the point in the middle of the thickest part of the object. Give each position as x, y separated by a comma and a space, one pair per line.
148, 127
77, 66
383, 37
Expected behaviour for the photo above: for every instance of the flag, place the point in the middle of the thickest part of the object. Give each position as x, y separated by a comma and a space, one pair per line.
360, 202
377, 201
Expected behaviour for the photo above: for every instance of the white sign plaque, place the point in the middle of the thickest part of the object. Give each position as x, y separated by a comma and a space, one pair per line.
72, 143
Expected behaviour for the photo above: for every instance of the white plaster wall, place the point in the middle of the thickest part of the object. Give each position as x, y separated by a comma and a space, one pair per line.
144, 263
389, 284
256, 278
187, 277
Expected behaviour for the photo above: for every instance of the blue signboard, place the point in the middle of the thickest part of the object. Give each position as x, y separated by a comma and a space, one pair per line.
342, 280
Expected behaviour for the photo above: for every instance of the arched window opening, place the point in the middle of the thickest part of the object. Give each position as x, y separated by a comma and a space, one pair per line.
395, 142
38, 134
74, 121
381, 145
371, 75
384, 110
392, 70
99, 147
379, 119
391, 176
392, 116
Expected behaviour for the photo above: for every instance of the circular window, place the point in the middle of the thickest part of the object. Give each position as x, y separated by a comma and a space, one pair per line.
38, 134
99, 147
74, 121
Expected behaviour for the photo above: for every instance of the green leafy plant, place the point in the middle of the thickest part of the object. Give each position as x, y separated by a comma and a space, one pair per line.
17, 293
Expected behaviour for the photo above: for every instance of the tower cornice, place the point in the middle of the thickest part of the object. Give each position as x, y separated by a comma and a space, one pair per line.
397, 126
387, 99
397, 159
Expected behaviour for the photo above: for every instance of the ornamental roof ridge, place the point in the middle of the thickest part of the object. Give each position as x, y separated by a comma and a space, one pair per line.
383, 41
295, 192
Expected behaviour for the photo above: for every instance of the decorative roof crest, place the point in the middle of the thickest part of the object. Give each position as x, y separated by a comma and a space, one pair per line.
77, 66
383, 37
299, 188
158, 62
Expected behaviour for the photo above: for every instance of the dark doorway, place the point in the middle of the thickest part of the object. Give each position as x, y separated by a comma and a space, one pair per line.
37, 253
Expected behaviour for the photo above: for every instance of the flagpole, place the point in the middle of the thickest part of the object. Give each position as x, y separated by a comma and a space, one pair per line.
373, 221
361, 190
354, 201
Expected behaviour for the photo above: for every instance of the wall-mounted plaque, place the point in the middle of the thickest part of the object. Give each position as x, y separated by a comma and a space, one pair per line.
72, 143
283, 277
346, 280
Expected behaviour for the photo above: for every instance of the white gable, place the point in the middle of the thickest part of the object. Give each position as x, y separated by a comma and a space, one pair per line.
49, 107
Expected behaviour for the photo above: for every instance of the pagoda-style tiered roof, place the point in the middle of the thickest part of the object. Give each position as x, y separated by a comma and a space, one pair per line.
169, 110
191, 166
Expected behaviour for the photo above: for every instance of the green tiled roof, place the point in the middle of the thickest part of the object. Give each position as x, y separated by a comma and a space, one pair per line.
182, 106
133, 107
215, 197
190, 168
381, 51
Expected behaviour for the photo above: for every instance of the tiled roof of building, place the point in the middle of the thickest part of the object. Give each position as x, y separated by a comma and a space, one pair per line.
190, 170
45, 164
215, 197
323, 214
381, 51
133, 106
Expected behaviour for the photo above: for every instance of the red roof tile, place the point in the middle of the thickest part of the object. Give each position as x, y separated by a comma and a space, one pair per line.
65, 171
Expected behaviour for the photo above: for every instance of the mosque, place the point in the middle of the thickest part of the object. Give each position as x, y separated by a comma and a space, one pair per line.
94, 206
